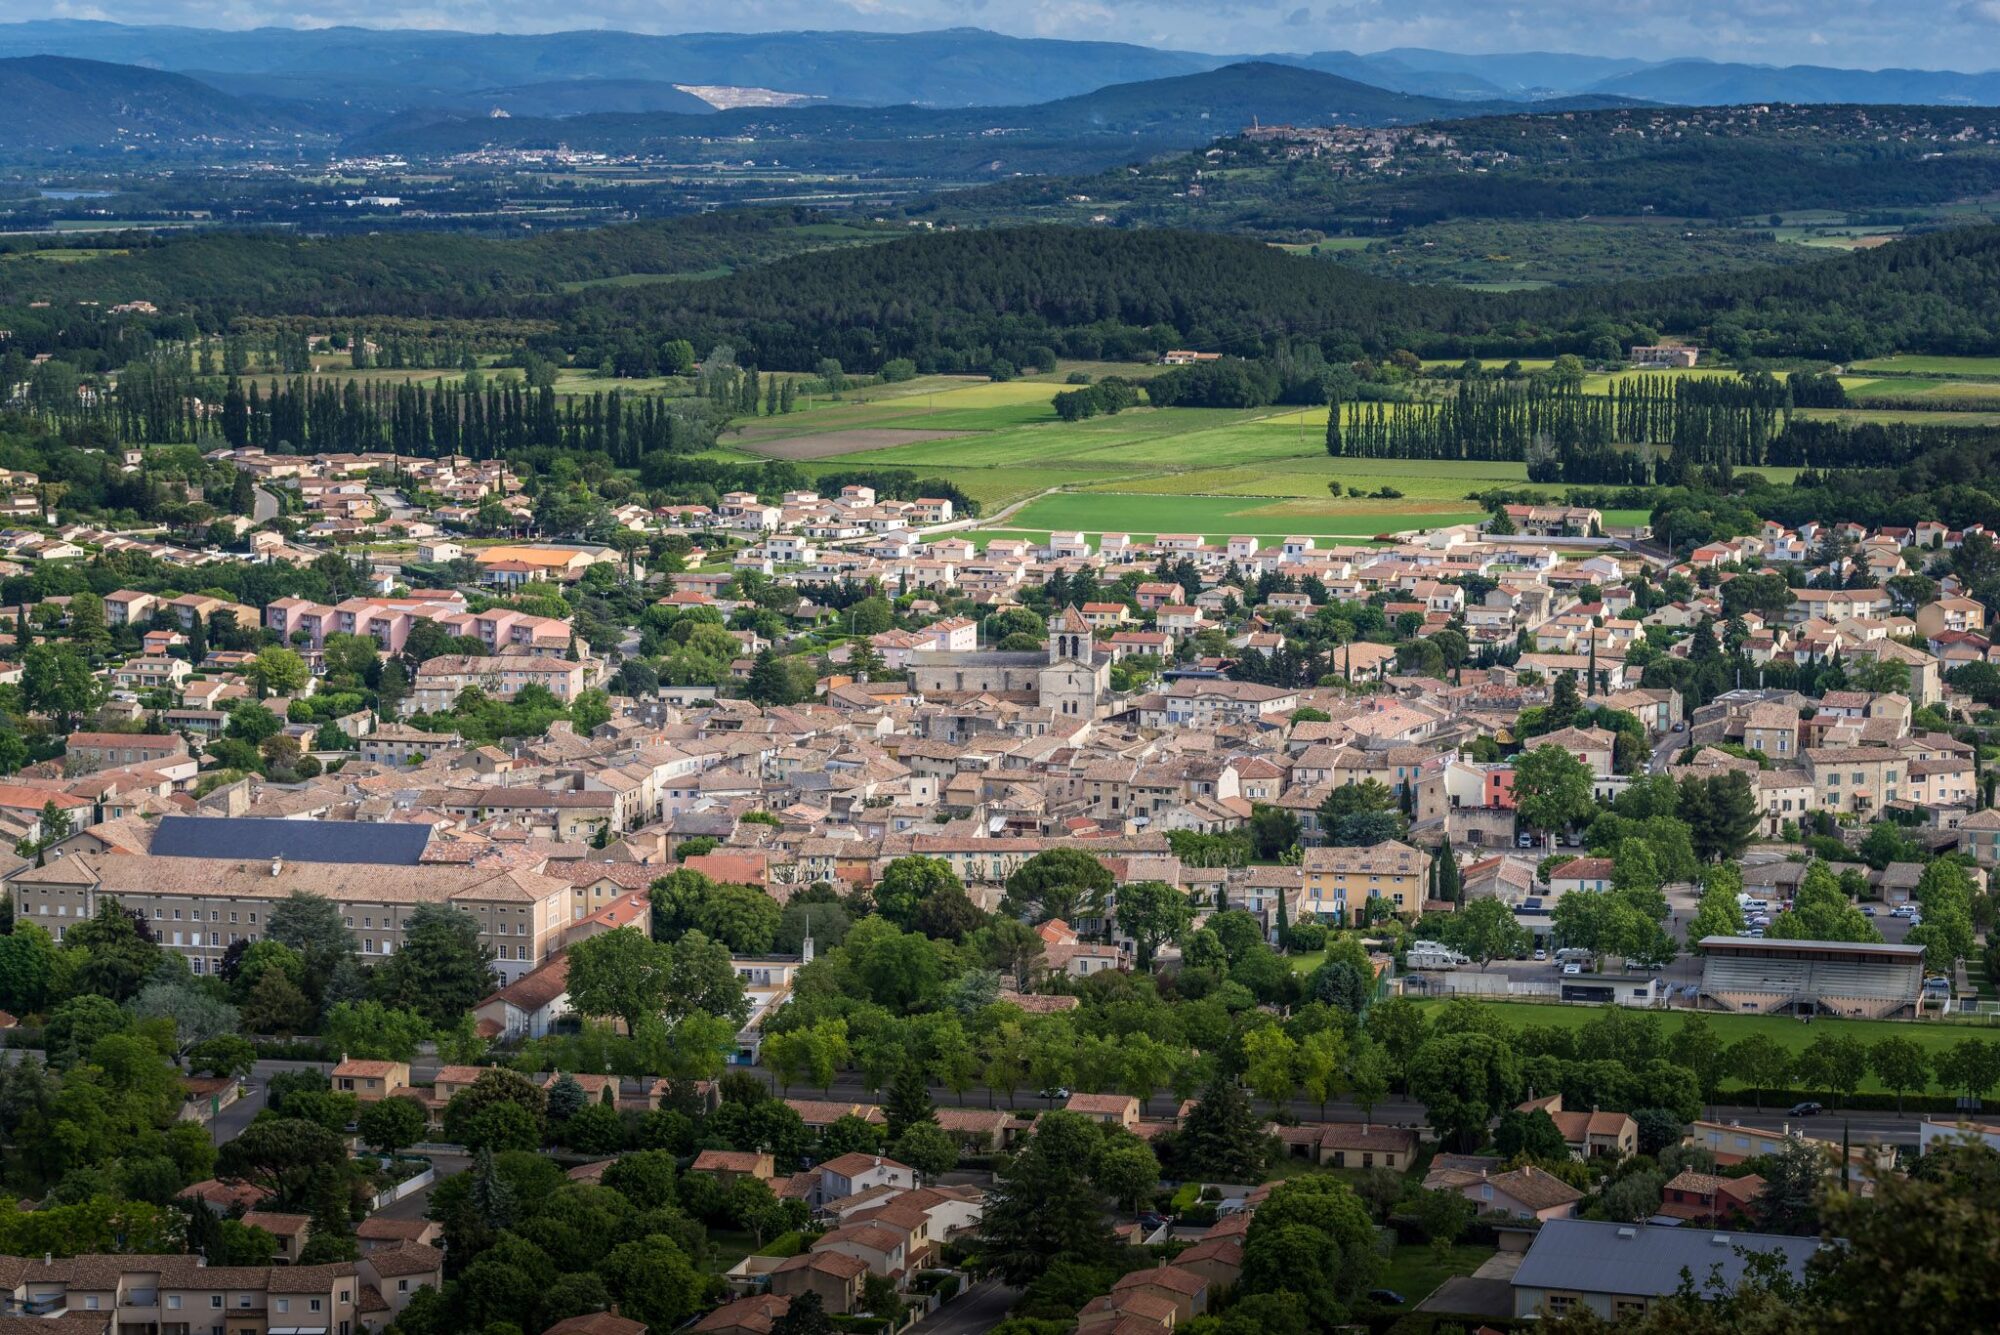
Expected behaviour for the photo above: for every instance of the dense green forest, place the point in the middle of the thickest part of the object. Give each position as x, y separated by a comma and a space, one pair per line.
217, 276
961, 299
965, 300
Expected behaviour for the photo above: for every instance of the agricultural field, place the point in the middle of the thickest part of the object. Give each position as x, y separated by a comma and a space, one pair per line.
1222, 516
1262, 471
1787, 1032
1978, 368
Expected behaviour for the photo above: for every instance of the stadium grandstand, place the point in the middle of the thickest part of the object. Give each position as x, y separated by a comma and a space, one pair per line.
1761, 976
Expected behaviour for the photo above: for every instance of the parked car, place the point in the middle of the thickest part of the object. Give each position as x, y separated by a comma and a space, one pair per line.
1901, 911
1057, 1094
1524, 840
1153, 1219
1571, 970
1916, 920
1867, 910
1541, 954
1807, 1109
1387, 1297
1680, 725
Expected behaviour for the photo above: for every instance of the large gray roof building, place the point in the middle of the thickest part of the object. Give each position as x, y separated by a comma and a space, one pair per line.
1619, 1270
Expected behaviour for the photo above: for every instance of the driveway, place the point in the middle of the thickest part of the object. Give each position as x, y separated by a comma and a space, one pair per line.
980, 1308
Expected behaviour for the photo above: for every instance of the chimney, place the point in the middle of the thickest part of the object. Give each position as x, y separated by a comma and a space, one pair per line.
277, 864
48, 1258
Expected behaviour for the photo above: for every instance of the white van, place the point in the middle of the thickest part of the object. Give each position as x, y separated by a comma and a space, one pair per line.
1752, 905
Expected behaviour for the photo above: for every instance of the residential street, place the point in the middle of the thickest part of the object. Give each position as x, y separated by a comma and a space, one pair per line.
979, 1308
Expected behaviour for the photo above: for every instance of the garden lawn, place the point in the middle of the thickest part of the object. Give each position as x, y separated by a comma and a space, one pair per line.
1415, 1271
1934, 1036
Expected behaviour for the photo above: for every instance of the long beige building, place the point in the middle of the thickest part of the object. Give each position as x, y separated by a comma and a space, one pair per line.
181, 1295
199, 906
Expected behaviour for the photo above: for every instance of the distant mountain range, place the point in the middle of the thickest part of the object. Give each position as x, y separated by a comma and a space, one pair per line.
375, 72
1092, 130
59, 105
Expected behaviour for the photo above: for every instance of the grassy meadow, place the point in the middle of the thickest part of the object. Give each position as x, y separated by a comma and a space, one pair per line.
1262, 471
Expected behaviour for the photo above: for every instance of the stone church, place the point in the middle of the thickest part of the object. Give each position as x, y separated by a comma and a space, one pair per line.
1073, 679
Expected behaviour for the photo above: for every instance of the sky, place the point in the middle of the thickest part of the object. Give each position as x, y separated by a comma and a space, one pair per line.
1932, 34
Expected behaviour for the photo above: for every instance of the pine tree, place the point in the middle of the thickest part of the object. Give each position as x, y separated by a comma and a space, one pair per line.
909, 1101
492, 1200
566, 1098
770, 682
1222, 1138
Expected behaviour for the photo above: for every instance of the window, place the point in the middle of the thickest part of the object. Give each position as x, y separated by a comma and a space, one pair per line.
174, 1302
313, 1303
284, 1304
90, 1302
215, 1300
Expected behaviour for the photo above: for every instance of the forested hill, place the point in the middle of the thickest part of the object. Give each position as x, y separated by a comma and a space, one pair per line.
217, 276
57, 105
953, 297
961, 299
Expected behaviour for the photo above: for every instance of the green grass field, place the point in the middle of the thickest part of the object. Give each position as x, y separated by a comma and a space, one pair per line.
1789, 1033
1223, 516
1215, 471
1986, 368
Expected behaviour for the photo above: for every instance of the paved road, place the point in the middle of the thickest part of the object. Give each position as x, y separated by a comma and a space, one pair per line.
979, 1308
264, 505
1406, 1112
848, 1087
